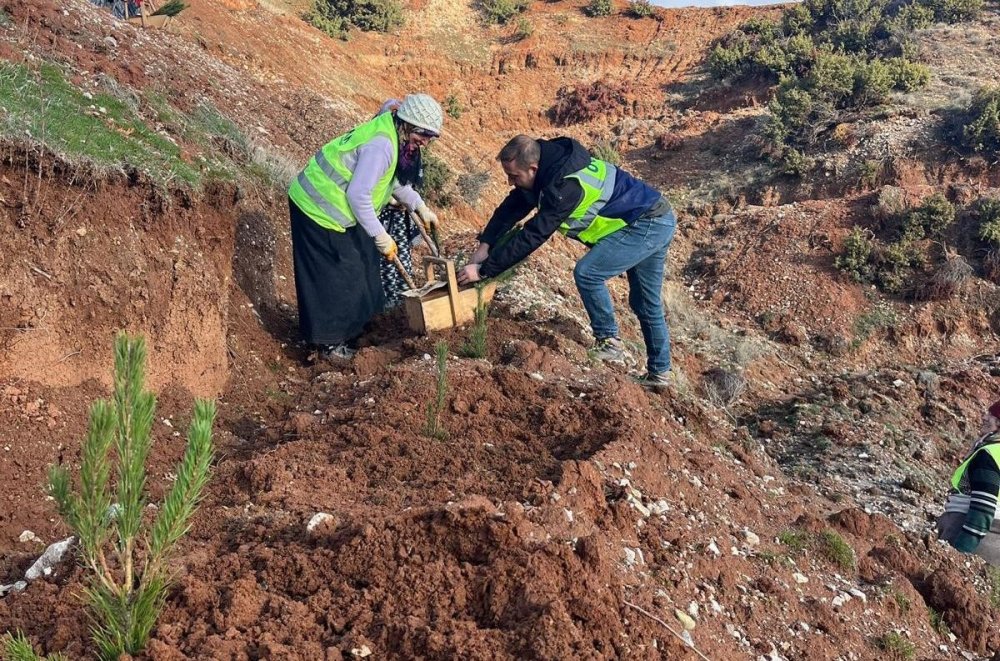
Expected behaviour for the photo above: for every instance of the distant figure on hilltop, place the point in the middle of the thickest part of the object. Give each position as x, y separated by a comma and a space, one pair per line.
969, 521
626, 224
334, 204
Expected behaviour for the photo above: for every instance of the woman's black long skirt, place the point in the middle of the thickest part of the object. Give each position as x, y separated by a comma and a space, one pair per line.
337, 280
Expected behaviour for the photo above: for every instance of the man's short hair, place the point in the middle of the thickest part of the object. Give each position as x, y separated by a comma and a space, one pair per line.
522, 151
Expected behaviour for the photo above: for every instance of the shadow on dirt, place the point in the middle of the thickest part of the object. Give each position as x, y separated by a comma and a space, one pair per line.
254, 271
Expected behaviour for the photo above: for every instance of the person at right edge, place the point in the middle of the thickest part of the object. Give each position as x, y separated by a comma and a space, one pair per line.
969, 520
626, 224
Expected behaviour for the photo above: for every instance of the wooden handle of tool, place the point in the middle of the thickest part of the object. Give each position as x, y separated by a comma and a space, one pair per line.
402, 272
431, 243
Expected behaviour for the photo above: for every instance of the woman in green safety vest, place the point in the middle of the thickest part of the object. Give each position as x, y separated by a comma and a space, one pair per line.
969, 521
336, 234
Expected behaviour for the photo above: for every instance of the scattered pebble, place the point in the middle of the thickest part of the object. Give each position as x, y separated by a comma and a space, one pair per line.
685, 619
317, 519
49, 559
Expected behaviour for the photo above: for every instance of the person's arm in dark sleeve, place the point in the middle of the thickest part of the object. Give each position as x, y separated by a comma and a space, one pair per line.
984, 482
514, 207
557, 203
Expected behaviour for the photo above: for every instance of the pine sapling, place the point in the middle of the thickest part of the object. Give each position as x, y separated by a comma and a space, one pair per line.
127, 558
432, 429
475, 346
17, 647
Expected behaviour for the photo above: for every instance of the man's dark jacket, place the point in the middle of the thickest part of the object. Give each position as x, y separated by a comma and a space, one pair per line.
556, 197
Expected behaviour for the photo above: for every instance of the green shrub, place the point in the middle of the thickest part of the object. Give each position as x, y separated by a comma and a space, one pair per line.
937, 622
640, 9
934, 215
872, 83
729, 61
796, 541
797, 20
836, 550
913, 16
853, 25
982, 131
896, 644
453, 107
907, 76
989, 221
127, 559
794, 163
605, 151
856, 258
877, 319
438, 180
524, 29
832, 75
954, 11
598, 8
500, 12
895, 264
335, 16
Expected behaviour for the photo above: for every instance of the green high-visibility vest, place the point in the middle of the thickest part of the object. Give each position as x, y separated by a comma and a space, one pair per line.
320, 190
586, 224
992, 446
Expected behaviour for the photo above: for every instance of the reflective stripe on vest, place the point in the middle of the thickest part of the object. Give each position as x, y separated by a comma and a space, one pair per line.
586, 224
992, 446
320, 189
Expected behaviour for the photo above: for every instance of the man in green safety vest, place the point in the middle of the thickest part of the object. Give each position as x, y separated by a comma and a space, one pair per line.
969, 520
336, 234
626, 224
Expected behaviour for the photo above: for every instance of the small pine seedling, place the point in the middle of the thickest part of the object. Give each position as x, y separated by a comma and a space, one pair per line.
17, 647
475, 346
432, 429
127, 559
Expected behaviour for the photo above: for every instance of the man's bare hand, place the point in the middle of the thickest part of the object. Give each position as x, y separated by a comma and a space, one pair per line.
481, 253
468, 274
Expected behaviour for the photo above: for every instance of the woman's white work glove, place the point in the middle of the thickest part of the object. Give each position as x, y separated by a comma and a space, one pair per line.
386, 246
427, 217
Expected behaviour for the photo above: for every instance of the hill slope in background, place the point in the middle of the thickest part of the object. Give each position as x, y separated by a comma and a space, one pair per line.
777, 503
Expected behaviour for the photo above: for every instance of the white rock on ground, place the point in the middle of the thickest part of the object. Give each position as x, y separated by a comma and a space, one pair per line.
28, 536
49, 559
318, 518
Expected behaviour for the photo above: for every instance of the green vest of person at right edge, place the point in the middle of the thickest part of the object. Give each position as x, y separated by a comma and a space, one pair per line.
320, 190
969, 521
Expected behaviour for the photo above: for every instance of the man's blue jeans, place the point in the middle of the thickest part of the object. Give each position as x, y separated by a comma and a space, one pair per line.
639, 251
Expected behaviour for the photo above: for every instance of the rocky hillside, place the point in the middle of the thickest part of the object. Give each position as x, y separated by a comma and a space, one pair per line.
777, 503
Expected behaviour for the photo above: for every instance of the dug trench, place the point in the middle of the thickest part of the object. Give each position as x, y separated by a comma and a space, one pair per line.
558, 497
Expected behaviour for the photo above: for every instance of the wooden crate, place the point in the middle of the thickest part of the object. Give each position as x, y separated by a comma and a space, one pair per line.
442, 304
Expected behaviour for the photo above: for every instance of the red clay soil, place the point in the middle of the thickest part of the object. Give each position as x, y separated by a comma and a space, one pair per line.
561, 498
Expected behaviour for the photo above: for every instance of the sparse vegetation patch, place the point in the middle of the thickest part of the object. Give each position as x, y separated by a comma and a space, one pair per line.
587, 102
501, 12
44, 108
336, 17
598, 8
640, 9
